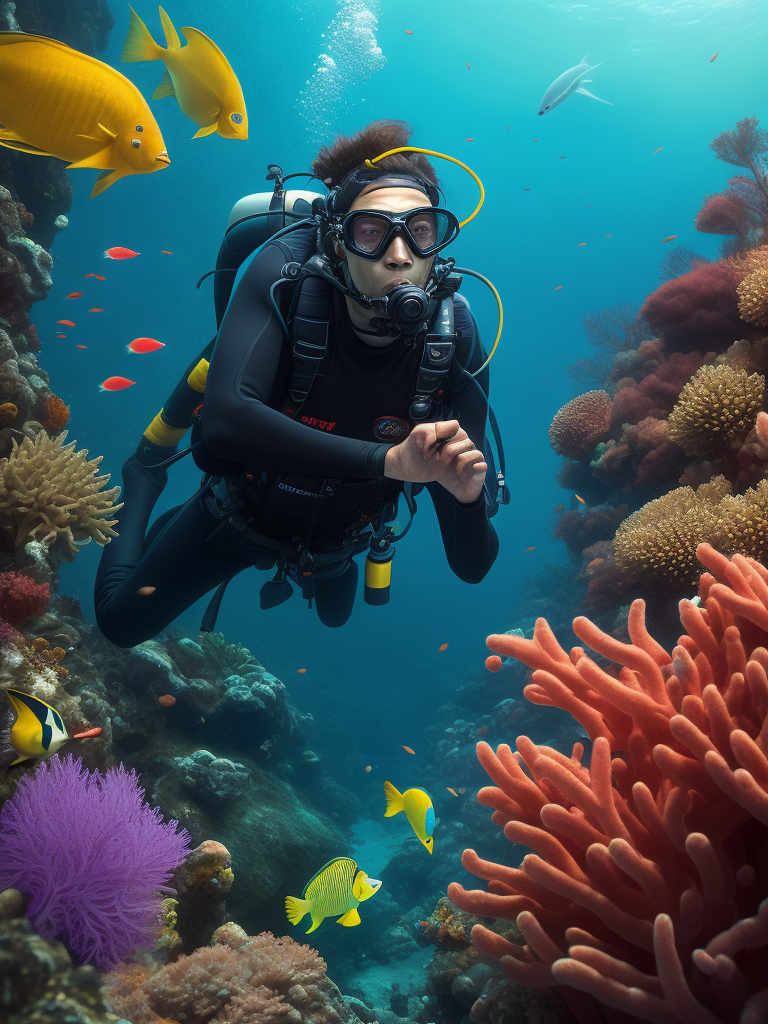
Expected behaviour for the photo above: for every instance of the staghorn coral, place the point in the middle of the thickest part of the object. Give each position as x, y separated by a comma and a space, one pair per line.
648, 881
716, 410
581, 424
48, 491
753, 297
54, 415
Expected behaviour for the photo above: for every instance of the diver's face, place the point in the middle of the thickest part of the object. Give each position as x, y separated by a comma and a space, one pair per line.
398, 265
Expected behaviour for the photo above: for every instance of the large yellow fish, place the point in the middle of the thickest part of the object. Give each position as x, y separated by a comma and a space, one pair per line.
418, 810
337, 888
198, 75
56, 101
38, 730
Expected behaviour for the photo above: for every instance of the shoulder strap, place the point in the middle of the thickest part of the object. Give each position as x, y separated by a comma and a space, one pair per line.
309, 331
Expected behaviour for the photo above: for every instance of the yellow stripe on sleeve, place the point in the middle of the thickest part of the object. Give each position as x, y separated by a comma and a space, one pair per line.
199, 376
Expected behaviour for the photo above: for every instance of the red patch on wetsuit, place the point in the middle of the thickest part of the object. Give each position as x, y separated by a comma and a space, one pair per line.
313, 421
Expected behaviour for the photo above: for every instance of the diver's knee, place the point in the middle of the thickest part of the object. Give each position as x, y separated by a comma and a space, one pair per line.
120, 631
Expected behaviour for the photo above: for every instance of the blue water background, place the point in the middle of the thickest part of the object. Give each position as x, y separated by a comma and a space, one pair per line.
381, 677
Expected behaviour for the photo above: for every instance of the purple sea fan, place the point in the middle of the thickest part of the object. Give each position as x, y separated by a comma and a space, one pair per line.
91, 856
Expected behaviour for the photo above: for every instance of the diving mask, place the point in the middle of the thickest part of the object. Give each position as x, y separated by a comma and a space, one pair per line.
425, 230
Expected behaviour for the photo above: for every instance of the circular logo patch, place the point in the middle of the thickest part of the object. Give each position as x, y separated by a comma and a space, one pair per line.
391, 429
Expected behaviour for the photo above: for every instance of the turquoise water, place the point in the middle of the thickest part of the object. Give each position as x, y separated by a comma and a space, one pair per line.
378, 680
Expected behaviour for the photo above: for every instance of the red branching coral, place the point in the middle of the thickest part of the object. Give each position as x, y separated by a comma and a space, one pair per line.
580, 425
648, 882
21, 598
725, 215
699, 310
54, 415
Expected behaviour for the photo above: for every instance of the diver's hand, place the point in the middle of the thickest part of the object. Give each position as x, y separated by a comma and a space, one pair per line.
439, 451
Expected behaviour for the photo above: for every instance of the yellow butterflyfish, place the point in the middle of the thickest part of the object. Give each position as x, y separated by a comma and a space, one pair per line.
337, 888
56, 101
38, 730
418, 808
198, 75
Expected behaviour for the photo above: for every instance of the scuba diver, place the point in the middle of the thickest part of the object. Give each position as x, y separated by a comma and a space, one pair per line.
346, 371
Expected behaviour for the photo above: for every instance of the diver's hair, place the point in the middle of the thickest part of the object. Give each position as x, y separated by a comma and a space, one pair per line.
349, 152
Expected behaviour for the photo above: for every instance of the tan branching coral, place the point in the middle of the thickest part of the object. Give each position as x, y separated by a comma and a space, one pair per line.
749, 261
753, 298
716, 410
50, 492
657, 544
581, 424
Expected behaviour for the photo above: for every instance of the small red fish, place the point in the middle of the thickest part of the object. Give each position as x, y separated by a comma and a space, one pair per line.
115, 384
580, 245
408, 750
301, 671
468, 67
668, 238
119, 252
562, 158
61, 335
526, 190
146, 591
89, 275
531, 549
607, 236
443, 647
594, 564
588, 206
75, 295
469, 140
452, 791
506, 126
166, 252
96, 309
712, 58
78, 346
99, 277
167, 700
408, 32
141, 345
557, 289
579, 498
67, 323
95, 731
657, 151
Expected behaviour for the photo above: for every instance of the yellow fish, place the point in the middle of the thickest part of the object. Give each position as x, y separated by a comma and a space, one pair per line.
38, 730
337, 888
56, 101
418, 810
198, 75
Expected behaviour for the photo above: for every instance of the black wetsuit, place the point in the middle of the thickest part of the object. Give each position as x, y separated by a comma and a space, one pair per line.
356, 409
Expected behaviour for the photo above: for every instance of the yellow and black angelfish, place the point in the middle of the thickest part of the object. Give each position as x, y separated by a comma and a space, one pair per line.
418, 808
38, 730
337, 888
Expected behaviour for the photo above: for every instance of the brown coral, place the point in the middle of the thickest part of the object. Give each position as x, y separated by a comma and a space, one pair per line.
716, 410
753, 298
8, 413
581, 424
49, 492
54, 415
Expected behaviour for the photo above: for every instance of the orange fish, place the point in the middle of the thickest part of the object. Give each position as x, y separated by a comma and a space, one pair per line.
669, 238
712, 58
75, 295
468, 67
469, 140
166, 252
301, 671
67, 323
408, 32
115, 384
78, 346
557, 289
89, 275
531, 549
61, 335
95, 731
451, 791
562, 158
594, 564
146, 591
657, 151
142, 345
580, 245
578, 497
99, 277
443, 647
167, 700
119, 252
408, 750
506, 126
96, 309
607, 236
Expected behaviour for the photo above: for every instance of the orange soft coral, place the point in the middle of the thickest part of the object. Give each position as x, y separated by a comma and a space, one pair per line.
648, 882
54, 415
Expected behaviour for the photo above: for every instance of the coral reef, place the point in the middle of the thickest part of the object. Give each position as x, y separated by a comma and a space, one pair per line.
48, 491
716, 410
21, 599
647, 886
93, 880
753, 297
54, 415
580, 424
202, 884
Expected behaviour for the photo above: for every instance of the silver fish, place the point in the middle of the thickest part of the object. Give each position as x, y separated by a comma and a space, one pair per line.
569, 82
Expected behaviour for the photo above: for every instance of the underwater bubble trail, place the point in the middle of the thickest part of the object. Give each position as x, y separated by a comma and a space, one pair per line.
351, 57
